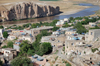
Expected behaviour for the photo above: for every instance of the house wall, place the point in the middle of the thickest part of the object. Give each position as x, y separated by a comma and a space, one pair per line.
93, 35
11, 37
70, 32
27, 38
61, 38
35, 32
1, 32
71, 45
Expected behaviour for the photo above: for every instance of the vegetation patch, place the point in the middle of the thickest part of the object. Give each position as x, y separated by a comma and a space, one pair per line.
93, 50
56, 58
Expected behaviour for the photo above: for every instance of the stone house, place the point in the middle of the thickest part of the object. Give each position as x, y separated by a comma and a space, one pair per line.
38, 60
28, 37
70, 32
11, 37
7, 54
36, 31
70, 45
16, 44
7, 51
74, 37
91, 24
54, 40
92, 35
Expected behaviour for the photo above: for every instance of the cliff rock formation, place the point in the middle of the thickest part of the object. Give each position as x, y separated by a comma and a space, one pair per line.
28, 10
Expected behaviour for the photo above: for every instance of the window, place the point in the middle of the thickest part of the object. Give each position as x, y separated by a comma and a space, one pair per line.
91, 33
72, 43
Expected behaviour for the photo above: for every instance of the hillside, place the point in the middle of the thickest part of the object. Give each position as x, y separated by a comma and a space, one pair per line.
66, 6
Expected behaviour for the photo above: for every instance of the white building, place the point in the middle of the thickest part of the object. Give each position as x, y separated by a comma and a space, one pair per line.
66, 20
8, 51
61, 22
11, 37
1, 32
92, 24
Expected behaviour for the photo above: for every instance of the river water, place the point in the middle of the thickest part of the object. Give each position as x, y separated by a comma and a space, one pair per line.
85, 12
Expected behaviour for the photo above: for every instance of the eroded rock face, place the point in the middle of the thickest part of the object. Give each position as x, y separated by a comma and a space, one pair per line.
28, 10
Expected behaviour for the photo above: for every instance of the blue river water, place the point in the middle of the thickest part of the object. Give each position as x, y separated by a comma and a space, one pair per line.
85, 12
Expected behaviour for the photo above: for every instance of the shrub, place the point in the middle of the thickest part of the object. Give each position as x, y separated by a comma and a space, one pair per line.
56, 58
93, 50
67, 64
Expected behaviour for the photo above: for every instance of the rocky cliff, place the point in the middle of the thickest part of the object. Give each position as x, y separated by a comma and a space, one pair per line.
28, 10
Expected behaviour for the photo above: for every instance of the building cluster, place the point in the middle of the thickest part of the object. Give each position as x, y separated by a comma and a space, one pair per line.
7, 54
78, 47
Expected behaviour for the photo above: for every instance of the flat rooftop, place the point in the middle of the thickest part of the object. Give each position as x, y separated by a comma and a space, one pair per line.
8, 49
94, 30
43, 28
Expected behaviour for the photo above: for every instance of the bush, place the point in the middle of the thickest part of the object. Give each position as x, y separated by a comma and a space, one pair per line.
67, 64
55, 28
10, 44
93, 50
80, 29
1, 63
63, 48
4, 46
56, 58
21, 61
5, 34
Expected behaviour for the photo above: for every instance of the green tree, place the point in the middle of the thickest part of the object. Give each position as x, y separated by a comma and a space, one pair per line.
24, 47
67, 64
45, 33
45, 48
80, 29
21, 61
71, 18
66, 25
10, 44
1, 27
30, 52
4, 46
1, 63
55, 28
5, 34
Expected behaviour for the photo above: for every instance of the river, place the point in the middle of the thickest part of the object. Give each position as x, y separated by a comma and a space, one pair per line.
85, 12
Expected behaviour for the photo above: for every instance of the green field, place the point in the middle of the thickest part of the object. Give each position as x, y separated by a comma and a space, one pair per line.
48, 0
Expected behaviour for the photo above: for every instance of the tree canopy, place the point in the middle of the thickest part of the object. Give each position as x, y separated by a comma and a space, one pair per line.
24, 46
80, 29
5, 34
1, 63
45, 48
21, 61
55, 28
10, 44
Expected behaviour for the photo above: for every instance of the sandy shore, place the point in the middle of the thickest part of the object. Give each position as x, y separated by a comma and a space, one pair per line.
71, 12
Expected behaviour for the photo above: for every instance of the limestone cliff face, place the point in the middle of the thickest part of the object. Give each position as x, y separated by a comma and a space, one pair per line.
28, 10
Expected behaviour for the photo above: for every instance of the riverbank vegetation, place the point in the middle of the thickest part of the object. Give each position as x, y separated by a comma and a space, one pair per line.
84, 20
34, 25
